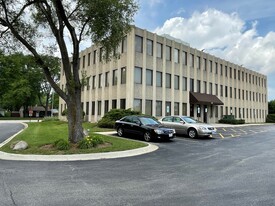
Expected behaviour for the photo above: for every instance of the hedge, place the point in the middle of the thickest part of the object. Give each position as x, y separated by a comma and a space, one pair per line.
270, 118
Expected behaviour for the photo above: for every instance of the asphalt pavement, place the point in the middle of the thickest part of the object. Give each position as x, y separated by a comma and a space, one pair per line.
189, 172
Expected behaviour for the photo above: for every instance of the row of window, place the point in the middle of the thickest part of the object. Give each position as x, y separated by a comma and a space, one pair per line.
241, 113
201, 87
224, 70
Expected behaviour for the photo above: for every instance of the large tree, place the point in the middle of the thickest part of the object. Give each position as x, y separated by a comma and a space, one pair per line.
36, 24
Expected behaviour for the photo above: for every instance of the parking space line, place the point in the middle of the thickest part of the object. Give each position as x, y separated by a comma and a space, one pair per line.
221, 135
224, 129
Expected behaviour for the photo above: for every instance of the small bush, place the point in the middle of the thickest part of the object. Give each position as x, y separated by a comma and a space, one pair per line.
270, 118
89, 142
232, 121
108, 121
62, 144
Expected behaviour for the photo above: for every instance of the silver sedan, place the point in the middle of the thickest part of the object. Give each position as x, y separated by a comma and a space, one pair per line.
188, 126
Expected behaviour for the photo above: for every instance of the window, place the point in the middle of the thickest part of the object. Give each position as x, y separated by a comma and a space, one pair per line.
184, 109
122, 103
88, 83
199, 86
124, 45
99, 80
148, 107
114, 104
176, 108
230, 72
115, 77
216, 89
87, 108
210, 65
149, 45
221, 90
106, 106
184, 84
89, 59
191, 85
216, 67
98, 107
159, 50
100, 54
198, 62
176, 56
93, 108
158, 108
106, 79
138, 75
159, 79
93, 84
138, 44
205, 64
225, 68
192, 60
168, 53
123, 75
137, 105
205, 87
235, 74
221, 69
176, 82
230, 89
94, 60
167, 108
210, 88
184, 58
83, 65
168, 80
226, 91
149, 77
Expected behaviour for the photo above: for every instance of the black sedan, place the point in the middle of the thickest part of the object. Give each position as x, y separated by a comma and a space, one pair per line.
143, 126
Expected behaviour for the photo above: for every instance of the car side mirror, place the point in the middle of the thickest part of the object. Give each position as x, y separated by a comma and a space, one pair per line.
182, 122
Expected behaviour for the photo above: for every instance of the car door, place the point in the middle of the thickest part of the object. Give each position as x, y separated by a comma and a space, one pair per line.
167, 121
136, 126
178, 125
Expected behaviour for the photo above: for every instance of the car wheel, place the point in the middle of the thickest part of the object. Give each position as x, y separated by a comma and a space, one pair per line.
147, 136
192, 133
120, 132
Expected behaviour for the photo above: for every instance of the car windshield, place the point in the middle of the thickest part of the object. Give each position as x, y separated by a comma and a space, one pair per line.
148, 121
189, 120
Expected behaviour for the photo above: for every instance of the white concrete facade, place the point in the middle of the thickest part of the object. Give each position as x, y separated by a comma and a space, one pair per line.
155, 75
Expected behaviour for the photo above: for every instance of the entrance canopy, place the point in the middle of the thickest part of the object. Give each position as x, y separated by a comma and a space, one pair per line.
206, 99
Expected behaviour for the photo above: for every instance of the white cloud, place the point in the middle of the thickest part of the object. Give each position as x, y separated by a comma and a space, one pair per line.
226, 36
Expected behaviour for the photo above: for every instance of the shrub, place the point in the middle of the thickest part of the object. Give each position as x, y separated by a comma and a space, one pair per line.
108, 121
62, 144
270, 118
232, 121
89, 142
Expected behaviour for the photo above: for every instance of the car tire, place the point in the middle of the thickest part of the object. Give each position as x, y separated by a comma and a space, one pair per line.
120, 132
147, 136
192, 133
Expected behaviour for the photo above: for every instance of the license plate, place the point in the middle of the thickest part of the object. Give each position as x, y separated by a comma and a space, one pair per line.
170, 135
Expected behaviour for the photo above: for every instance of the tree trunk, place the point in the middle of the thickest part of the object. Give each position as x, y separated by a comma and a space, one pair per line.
75, 117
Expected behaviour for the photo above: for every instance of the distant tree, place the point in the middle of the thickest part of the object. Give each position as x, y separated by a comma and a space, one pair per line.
22, 82
271, 107
39, 25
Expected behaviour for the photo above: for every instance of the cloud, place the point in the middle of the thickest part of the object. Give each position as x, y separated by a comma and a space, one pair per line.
226, 36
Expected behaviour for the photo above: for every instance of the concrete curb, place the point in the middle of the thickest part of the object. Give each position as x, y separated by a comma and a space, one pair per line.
74, 157
79, 157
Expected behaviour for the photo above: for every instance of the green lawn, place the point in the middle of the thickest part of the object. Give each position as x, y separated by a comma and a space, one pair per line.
41, 135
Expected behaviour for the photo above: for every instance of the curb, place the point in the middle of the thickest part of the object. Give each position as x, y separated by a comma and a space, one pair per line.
79, 157
74, 157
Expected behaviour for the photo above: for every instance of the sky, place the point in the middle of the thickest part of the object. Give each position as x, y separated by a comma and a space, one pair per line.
239, 31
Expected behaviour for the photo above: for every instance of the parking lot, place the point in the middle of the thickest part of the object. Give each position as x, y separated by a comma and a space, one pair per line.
238, 131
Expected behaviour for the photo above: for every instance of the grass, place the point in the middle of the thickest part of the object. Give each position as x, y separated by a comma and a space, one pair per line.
41, 135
